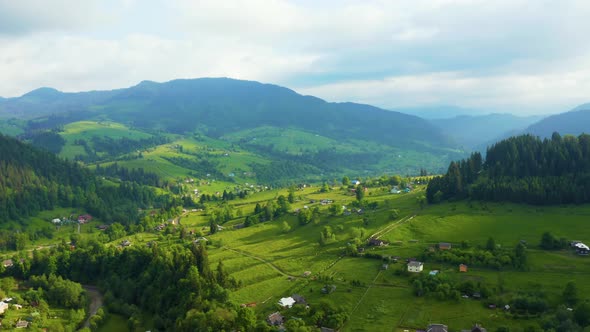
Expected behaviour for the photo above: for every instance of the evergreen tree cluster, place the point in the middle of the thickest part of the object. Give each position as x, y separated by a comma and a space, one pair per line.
32, 180
522, 169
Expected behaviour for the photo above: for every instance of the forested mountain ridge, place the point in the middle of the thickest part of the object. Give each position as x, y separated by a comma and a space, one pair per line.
33, 180
221, 105
522, 169
574, 122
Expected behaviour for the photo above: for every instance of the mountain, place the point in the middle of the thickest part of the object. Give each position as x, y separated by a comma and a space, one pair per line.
574, 122
436, 112
274, 126
474, 131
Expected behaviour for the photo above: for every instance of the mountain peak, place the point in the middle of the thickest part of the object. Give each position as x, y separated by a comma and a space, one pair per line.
43, 93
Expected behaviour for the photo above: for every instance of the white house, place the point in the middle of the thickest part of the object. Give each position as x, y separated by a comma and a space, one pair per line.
415, 267
355, 182
3, 307
287, 302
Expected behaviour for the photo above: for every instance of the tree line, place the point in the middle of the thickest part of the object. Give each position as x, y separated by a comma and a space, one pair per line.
522, 169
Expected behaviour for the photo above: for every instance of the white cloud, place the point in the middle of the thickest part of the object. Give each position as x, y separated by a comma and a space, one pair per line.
518, 55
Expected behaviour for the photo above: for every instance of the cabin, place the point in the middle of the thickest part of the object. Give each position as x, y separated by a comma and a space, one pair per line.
444, 246
437, 328
84, 218
275, 319
22, 324
377, 243
462, 268
415, 266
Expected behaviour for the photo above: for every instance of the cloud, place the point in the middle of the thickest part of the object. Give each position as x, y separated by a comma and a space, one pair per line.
27, 16
517, 55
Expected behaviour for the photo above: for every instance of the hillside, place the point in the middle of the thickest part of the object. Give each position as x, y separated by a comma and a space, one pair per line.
32, 181
574, 122
330, 138
474, 131
521, 169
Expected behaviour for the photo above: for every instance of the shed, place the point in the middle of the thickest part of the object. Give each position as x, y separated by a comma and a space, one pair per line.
286, 302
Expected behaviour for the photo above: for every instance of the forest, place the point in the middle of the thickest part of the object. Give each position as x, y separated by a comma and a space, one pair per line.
522, 169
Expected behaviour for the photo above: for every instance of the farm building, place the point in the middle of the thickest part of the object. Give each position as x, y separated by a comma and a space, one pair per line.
286, 302
437, 328
377, 243
415, 266
84, 218
56, 221
444, 246
462, 268
275, 319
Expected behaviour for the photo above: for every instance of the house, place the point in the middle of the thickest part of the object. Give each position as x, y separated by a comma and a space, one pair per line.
462, 268
377, 243
299, 299
219, 227
286, 302
3, 307
56, 221
102, 227
82, 219
395, 191
125, 243
355, 182
248, 305
437, 328
476, 328
7, 263
507, 307
415, 266
275, 319
22, 324
444, 246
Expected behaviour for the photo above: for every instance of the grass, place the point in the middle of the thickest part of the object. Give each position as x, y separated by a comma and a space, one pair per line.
114, 323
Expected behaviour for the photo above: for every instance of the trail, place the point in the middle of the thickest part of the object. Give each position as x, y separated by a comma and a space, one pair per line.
273, 266
95, 302
391, 227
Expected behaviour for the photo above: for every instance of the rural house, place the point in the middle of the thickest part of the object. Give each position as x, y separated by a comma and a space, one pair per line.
444, 246
3, 307
286, 302
275, 319
7, 263
437, 328
82, 219
415, 266
377, 243
462, 268
22, 324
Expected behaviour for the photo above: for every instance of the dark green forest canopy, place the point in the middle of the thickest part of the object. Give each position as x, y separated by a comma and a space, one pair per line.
33, 180
522, 169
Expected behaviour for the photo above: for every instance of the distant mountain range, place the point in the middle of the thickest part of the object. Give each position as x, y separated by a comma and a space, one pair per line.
473, 131
574, 122
266, 121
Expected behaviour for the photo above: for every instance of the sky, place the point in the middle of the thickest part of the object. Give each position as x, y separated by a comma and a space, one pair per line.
520, 57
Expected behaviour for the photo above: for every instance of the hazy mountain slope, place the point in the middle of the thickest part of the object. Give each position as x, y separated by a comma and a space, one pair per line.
473, 131
573, 122
221, 106
435, 112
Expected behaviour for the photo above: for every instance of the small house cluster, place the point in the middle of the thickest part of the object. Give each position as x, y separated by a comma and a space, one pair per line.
581, 248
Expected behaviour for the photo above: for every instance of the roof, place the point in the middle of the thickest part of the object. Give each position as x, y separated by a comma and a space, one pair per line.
415, 264
275, 318
444, 245
437, 328
286, 302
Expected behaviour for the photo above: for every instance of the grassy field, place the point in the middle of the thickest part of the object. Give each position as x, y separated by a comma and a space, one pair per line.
271, 263
263, 257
